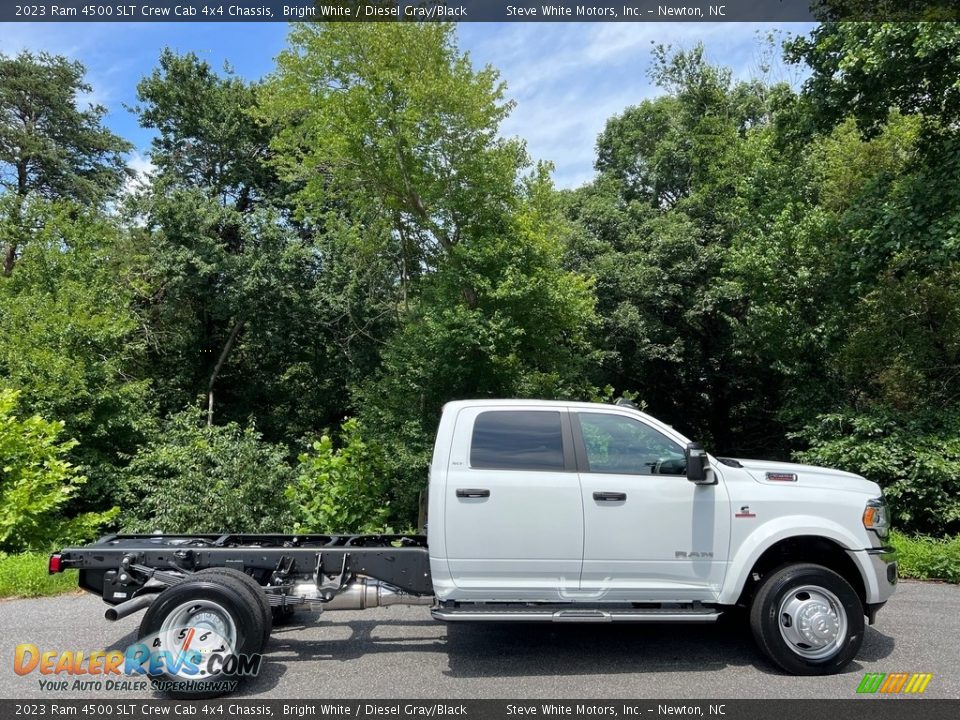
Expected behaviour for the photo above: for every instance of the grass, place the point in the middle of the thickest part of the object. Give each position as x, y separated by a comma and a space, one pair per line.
25, 576
927, 558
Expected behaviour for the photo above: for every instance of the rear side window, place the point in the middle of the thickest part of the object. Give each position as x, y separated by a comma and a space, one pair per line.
517, 440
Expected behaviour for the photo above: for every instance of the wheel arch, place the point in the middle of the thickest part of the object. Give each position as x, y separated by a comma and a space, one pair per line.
795, 540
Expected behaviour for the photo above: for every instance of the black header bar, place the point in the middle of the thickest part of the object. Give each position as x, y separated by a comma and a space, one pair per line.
390, 709
478, 10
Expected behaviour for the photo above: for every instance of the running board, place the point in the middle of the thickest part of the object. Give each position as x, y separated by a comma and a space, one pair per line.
638, 615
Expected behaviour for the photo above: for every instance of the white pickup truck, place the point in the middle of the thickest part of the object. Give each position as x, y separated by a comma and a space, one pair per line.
539, 511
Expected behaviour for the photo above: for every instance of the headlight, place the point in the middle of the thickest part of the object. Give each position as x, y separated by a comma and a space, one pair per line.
876, 517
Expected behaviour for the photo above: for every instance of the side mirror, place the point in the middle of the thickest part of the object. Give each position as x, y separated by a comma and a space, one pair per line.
696, 458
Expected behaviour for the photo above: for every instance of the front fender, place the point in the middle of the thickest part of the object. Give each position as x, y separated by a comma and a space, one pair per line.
769, 533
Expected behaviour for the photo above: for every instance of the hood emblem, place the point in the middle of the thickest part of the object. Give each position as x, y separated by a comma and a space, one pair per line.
781, 477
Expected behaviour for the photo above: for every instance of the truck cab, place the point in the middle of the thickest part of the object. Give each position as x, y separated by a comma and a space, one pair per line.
589, 510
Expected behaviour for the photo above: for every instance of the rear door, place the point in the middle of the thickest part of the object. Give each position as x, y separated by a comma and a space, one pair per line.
513, 506
649, 533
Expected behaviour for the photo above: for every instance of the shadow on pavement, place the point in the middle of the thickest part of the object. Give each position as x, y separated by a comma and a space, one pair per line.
520, 649
481, 650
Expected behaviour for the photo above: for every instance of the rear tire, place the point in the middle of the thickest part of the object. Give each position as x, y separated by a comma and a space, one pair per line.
254, 589
216, 603
807, 619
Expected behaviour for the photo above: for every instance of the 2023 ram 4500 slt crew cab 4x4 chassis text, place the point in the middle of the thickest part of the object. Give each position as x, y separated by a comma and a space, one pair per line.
542, 511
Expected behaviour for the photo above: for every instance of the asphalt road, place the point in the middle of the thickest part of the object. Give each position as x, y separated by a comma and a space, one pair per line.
401, 652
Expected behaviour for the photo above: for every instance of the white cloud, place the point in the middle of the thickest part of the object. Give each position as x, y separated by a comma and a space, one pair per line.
569, 78
142, 168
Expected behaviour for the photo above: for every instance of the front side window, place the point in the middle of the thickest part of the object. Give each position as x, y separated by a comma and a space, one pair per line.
618, 444
517, 440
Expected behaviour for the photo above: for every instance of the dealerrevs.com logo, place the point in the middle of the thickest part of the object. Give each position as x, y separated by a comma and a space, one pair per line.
894, 683
176, 659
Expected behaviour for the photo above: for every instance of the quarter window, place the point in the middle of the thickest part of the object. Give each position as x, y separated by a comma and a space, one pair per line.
618, 444
517, 440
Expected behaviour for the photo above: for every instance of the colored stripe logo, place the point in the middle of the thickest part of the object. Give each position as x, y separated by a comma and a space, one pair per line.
894, 683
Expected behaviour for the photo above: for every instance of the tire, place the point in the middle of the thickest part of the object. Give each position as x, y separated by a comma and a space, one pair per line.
807, 619
216, 602
253, 588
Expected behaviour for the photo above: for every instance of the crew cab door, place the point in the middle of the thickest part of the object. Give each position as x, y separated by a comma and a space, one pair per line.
513, 513
650, 535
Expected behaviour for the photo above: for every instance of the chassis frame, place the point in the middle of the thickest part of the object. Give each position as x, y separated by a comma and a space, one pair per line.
121, 567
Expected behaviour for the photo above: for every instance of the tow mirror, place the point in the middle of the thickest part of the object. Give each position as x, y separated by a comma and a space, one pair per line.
696, 458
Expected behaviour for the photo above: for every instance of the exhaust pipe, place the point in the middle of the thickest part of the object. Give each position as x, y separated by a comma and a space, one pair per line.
118, 612
368, 593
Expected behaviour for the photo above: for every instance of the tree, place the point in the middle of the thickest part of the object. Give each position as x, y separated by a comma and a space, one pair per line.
341, 489
654, 229
393, 120
49, 145
252, 310
864, 70
70, 343
190, 478
390, 128
36, 482
206, 137
529, 334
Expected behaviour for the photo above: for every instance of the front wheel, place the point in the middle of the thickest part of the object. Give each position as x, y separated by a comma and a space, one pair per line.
807, 619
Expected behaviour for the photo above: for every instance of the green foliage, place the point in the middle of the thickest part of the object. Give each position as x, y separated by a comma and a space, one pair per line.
392, 121
769, 271
927, 558
48, 144
263, 314
654, 229
192, 478
70, 343
903, 345
36, 482
390, 124
865, 69
915, 461
215, 144
49, 147
341, 489
25, 576
526, 331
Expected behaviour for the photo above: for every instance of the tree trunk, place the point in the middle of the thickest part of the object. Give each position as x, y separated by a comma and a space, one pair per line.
9, 258
16, 222
219, 366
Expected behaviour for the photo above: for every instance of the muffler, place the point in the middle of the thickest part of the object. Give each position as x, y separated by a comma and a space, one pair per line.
368, 593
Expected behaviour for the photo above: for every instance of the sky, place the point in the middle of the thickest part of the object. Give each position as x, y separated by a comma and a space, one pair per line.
567, 79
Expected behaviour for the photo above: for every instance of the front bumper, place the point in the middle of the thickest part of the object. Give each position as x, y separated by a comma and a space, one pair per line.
879, 569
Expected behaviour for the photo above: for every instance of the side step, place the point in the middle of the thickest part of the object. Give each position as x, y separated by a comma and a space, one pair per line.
577, 615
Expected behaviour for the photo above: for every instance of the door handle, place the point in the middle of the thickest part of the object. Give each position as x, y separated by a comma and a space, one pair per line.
472, 493
609, 496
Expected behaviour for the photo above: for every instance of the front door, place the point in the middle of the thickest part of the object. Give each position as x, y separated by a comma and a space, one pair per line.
650, 535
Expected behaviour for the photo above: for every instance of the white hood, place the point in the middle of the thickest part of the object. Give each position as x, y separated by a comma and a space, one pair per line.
810, 476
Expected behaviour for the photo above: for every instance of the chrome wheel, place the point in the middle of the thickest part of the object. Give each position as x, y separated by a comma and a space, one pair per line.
202, 615
812, 622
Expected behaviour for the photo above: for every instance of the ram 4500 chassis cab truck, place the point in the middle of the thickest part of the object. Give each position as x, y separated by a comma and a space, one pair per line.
549, 512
